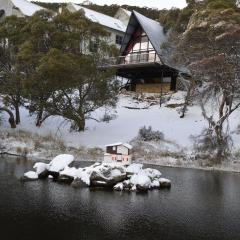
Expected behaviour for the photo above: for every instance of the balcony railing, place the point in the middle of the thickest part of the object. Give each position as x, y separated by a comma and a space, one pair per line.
134, 58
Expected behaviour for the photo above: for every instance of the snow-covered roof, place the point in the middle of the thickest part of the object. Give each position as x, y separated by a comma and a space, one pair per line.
152, 28
26, 7
119, 144
102, 19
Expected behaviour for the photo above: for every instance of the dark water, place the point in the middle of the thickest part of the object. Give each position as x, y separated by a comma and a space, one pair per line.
200, 205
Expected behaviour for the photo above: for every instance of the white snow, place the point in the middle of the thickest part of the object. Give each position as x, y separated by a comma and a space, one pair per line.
115, 173
26, 7
118, 186
122, 129
31, 175
141, 178
134, 168
102, 19
155, 184
69, 171
164, 180
152, 173
127, 145
84, 175
60, 162
40, 167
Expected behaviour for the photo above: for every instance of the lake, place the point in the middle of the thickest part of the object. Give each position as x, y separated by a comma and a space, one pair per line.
200, 205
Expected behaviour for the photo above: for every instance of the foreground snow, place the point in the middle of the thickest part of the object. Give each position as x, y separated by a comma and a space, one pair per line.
113, 175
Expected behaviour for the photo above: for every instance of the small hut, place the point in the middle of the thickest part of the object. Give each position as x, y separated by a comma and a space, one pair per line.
118, 152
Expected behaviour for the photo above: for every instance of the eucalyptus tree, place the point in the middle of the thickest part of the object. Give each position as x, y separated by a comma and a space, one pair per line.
13, 32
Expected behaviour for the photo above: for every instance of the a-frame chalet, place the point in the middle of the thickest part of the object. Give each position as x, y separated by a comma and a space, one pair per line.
141, 59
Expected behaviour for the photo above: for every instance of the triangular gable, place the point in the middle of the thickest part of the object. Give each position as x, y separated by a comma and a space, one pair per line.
152, 28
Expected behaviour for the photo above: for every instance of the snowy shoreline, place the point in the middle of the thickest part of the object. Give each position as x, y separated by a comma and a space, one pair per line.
150, 163
176, 149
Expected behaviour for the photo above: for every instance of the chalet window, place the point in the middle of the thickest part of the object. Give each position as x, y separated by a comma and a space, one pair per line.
119, 39
93, 45
114, 148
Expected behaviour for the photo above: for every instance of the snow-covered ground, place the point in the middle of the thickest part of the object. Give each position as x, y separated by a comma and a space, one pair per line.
125, 126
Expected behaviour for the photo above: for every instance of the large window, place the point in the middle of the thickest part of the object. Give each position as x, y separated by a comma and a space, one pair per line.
140, 49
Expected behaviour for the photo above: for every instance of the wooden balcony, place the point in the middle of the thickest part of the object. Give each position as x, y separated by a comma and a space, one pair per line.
133, 59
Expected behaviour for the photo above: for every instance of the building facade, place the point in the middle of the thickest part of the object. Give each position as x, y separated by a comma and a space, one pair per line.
19, 8
141, 59
113, 26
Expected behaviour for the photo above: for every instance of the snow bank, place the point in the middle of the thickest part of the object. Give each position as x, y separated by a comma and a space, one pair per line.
60, 162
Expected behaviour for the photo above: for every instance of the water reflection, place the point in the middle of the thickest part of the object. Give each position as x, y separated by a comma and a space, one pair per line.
200, 205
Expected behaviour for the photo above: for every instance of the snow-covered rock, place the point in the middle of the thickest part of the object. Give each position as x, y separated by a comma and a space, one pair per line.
60, 162
114, 175
118, 186
141, 180
67, 175
41, 169
134, 168
30, 176
164, 183
152, 173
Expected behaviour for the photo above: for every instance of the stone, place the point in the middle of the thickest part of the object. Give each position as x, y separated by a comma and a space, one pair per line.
65, 179
79, 183
164, 183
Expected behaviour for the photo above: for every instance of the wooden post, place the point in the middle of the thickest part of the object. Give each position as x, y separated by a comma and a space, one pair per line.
161, 80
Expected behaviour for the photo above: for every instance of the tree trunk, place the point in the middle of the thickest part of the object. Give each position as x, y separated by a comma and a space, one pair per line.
11, 116
78, 124
17, 113
39, 118
81, 125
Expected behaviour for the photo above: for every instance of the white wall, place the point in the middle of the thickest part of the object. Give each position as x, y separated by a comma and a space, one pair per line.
122, 149
9, 9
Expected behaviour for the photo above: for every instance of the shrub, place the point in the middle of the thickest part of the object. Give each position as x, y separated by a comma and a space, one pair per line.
147, 134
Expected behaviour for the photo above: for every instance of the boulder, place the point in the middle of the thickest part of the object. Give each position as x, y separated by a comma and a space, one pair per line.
155, 184
67, 175
107, 176
30, 176
118, 187
41, 170
142, 188
60, 162
65, 179
164, 183
101, 184
127, 185
79, 183
134, 168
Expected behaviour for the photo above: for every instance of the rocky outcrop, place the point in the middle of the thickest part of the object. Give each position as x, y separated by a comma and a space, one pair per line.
105, 175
